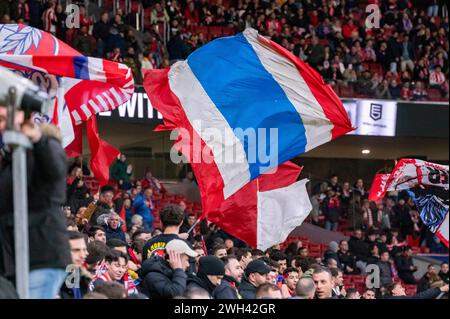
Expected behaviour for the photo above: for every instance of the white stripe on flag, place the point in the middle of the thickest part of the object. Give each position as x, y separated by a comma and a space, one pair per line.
116, 96
86, 110
280, 211
96, 72
102, 103
76, 116
94, 106
317, 126
130, 83
204, 116
110, 101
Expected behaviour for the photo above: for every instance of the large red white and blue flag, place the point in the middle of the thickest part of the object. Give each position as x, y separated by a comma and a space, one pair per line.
241, 85
80, 86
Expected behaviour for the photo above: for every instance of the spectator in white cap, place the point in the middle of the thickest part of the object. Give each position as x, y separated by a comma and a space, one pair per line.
166, 278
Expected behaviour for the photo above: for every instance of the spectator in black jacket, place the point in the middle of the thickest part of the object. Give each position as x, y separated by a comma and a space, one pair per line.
101, 33
209, 276
177, 48
255, 276
49, 242
396, 291
405, 266
346, 258
331, 208
166, 278
359, 248
443, 273
233, 277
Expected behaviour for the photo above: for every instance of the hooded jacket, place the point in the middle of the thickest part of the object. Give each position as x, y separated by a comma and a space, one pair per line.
49, 242
161, 281
200, 280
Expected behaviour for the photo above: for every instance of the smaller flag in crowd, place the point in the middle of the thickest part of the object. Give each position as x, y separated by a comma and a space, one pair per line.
427, 183
80, 87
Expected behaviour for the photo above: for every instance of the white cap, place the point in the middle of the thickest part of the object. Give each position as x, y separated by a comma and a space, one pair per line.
180, 246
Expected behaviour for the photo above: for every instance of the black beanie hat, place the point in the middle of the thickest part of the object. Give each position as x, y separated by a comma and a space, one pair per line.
211, 265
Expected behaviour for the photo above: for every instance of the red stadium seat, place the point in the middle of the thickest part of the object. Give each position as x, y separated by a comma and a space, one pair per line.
228, 31
201, 29
135, 6
434, 95
346, 91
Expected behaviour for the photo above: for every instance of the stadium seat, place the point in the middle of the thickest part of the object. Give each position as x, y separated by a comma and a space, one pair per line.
135, 6
346, 91
434, 95
201, 29
228, 31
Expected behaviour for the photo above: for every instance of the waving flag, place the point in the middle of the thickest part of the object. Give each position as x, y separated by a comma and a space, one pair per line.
240, 83
80, 86
265, 211
428, 184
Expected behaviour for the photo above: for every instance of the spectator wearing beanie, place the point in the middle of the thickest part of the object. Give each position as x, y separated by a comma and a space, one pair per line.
210, 273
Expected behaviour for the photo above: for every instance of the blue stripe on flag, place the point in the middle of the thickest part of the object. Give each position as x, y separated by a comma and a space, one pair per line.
248, 96
81, 67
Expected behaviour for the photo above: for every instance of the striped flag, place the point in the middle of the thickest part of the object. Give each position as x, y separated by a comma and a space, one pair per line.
236, 84
80, 86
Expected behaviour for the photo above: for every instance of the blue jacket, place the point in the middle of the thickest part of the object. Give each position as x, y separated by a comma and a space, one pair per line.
142, 209
115, 233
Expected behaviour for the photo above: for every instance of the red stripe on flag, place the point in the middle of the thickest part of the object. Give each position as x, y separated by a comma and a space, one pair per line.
331, 104
102, 154
156, 84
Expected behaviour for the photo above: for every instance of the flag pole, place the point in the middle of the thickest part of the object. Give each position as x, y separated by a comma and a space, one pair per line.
195, 224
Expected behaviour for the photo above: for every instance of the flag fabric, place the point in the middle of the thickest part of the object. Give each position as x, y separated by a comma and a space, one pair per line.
378, 186
428, 184
265, 211
79, 86
238, 83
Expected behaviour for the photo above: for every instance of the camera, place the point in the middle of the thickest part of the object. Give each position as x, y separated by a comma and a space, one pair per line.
28, 96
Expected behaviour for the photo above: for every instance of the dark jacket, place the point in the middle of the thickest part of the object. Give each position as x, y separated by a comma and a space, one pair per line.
161, 281
247, 290
332, 209
115, 233
347, 259
359, 248
424, 283
444, 277
77, 196
49, 242
403, 265
427, 294
200, 281
7, 290
119, 172
385, 273
71, 293
177, 49
101, 30
227, 289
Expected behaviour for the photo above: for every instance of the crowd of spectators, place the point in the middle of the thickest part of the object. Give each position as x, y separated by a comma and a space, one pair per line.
159, 259
406, 57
